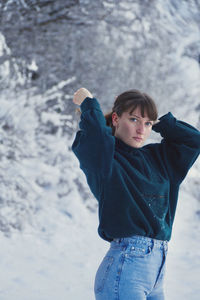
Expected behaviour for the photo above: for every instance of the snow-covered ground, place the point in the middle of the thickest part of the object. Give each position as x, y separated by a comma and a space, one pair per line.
61, 262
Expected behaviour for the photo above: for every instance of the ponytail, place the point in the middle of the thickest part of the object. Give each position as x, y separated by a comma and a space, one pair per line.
108, 118
109, 123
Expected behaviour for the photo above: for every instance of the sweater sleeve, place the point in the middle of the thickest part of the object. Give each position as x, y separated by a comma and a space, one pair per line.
94, 143
180, 145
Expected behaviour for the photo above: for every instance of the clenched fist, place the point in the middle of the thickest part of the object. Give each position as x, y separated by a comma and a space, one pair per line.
80, 95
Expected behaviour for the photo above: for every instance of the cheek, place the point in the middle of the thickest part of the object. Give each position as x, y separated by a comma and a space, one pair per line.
148, 133
125, 126
128, 128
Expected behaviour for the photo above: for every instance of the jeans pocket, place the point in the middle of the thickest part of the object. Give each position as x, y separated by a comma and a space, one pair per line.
102, 273
138, 250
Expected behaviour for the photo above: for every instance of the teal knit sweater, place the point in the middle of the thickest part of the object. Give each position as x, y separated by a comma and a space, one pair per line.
136, 188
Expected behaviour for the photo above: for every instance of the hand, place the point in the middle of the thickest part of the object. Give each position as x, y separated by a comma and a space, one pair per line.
80, 95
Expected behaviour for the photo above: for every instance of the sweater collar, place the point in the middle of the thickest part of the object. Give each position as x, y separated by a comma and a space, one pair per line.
125, 147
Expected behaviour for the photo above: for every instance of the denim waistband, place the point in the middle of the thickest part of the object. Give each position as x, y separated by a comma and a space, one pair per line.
143, 239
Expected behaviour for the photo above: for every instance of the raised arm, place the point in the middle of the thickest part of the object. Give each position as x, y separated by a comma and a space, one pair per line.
94, 143
180, 145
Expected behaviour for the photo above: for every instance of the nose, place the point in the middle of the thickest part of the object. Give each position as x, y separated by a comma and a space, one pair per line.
140, 128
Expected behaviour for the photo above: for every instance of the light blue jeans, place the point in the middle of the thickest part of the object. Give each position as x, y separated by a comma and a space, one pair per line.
132, 269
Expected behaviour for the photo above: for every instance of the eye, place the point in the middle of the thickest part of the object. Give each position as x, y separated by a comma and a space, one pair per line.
150, 124
133, 119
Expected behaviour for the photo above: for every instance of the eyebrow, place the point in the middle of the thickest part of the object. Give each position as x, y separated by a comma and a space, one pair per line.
138, 116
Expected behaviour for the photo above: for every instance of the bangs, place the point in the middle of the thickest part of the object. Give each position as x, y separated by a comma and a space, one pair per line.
146, 107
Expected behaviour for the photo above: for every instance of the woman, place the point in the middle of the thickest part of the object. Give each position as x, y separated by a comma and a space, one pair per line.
136, 187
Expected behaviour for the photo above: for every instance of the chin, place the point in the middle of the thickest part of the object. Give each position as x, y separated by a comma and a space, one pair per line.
137, 145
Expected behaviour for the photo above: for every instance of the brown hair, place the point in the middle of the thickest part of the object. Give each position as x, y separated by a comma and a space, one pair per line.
129, 100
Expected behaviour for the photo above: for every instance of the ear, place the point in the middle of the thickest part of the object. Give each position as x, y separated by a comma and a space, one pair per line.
115, 119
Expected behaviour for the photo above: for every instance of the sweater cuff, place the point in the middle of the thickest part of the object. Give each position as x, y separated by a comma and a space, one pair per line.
166, 125
89, 103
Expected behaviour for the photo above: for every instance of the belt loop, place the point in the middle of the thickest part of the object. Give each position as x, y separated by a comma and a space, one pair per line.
166, 245
153, 243
118, 240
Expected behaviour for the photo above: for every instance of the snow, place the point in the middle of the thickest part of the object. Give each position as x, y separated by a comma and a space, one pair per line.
183, 269
55, 264
32, 66
50, 248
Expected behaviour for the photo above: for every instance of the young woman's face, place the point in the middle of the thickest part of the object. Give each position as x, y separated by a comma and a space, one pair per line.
130, 127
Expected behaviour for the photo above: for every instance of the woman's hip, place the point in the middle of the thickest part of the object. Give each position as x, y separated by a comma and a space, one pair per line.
130, 264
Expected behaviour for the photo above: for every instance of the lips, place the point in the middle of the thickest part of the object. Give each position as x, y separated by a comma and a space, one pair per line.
138, 139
